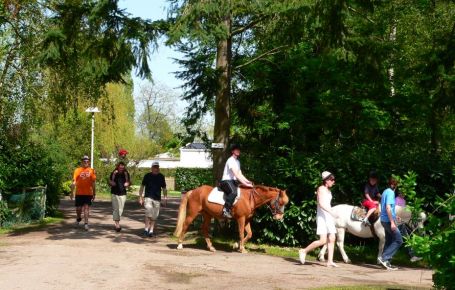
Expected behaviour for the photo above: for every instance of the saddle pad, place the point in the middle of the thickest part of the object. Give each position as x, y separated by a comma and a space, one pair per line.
358, 213
217, 196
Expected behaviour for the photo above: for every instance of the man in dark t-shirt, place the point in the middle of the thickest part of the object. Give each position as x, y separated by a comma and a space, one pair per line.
153, 182
119, 182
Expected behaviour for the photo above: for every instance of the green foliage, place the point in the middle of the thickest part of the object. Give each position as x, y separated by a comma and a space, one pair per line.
190, 178
6, 215
66, 187
324, 101
437, 247
294, 230
30, 164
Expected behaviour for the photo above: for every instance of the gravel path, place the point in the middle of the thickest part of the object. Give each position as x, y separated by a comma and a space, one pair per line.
64, 256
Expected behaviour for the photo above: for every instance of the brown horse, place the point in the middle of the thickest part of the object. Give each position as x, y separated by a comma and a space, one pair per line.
195, 202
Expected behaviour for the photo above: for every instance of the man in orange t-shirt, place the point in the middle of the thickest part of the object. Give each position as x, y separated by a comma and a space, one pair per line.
83, 186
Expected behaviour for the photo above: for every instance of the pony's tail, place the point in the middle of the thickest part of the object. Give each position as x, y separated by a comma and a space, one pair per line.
182, 214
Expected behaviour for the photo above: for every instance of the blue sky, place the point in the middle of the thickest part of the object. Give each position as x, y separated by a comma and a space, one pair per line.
161, 61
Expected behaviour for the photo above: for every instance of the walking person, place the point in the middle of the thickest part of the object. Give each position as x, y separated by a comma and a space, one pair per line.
325, 219
153, 183
119, 182
393, 238
232, 177
83, 187
403, 227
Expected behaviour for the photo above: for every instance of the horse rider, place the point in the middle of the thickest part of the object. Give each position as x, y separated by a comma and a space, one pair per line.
232, 177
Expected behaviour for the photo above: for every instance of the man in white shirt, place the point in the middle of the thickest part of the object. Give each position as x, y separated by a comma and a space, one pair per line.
232, 177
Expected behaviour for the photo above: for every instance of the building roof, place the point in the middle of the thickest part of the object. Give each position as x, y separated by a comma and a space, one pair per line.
194, 145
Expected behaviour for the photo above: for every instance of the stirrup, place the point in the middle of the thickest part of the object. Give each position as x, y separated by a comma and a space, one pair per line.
227, 213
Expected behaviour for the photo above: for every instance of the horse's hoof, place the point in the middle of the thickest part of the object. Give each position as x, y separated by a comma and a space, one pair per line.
348, 261
212, 249
243, 251
180, 247
321, 259
235, 246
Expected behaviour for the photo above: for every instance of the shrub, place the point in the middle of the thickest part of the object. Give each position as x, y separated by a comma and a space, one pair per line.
29, 164
438, 247
190, 178
6, 215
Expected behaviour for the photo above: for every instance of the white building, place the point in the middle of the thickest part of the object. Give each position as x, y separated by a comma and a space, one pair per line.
193, 155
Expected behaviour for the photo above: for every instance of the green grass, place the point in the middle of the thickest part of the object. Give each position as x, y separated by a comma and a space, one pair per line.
358, 254
369, 287
25, 227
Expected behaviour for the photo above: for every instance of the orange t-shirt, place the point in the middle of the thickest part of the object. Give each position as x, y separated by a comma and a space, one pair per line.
83, 178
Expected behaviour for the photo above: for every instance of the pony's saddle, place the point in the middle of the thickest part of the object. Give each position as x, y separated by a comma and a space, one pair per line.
359, 213
217, 196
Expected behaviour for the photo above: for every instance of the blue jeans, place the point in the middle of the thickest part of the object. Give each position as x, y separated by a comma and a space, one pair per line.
405, 233
393, 241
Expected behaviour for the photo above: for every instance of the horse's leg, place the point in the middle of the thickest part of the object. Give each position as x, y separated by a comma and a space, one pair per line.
188, 220
381, 236
249, 233
340, 243
205, 231
321, 256
241, 224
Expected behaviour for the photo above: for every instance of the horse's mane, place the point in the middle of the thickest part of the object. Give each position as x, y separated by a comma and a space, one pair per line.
266, 188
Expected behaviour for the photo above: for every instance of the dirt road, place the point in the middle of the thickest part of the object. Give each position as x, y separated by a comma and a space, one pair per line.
66, 257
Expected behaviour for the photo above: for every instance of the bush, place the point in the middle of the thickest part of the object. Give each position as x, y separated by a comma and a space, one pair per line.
190, 178
66, 187
29, 164
295, 228
6, 215
438, 247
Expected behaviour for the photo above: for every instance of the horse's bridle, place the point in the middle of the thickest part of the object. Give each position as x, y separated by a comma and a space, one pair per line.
275, 207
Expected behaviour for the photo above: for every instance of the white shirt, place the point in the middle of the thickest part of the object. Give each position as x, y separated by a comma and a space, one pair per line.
231, 163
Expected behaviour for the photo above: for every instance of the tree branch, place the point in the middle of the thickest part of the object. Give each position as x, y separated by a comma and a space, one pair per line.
366, 17
248, 26
267, 53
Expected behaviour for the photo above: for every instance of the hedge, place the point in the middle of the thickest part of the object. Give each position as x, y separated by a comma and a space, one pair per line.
189, 178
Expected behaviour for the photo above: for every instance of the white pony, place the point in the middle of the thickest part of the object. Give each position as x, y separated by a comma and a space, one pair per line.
344, 223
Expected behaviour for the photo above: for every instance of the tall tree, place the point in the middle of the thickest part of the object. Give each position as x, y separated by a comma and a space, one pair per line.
217, 32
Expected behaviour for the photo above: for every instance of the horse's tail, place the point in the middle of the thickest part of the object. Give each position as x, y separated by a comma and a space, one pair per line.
182, 214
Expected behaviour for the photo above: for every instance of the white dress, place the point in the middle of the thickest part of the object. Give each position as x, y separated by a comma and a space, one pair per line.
324, 220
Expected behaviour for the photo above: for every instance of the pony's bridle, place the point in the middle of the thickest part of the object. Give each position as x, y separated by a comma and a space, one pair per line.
275, 207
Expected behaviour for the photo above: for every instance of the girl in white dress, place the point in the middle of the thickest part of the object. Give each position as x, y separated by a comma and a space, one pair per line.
325, 219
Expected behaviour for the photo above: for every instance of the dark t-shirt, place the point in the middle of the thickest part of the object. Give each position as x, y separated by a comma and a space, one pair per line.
372, 190
153, 184
120, 179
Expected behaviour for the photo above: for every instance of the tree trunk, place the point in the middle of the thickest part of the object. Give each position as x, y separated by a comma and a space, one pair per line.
222, 101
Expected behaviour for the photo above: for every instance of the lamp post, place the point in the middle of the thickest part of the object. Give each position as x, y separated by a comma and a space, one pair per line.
92, 110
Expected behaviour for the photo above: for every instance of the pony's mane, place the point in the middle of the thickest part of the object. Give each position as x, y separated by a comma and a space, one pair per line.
268, 188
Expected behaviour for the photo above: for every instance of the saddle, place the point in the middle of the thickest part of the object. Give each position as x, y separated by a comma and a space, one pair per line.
217, 196
359, 213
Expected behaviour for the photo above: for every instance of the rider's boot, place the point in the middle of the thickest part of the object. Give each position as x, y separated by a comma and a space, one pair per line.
227, 213
366, 222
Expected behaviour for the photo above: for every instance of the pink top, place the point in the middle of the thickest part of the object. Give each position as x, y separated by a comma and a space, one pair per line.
400, 201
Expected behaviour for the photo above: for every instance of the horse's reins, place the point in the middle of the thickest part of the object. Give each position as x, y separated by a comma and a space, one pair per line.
276, 204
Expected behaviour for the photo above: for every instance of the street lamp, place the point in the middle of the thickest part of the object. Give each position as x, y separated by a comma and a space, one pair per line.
92, 110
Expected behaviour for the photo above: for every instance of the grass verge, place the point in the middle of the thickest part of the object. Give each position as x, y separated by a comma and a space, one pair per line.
358, 254
25, 227
369, 287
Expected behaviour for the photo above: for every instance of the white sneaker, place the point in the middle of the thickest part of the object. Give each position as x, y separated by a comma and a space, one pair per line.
302, 256
415, 259
86, 227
